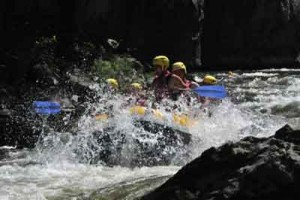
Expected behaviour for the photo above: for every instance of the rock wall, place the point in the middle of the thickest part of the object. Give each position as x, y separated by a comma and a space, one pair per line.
144, 28
215, 35
147, 27
251, 33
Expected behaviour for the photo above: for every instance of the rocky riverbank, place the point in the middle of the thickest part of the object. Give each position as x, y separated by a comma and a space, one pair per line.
68, 79
253, 168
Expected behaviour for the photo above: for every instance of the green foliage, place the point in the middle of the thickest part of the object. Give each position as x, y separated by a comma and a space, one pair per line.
123, 69
88, 56
46, 41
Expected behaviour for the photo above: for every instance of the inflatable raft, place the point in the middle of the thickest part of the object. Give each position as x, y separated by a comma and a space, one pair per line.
183, 121
171, 137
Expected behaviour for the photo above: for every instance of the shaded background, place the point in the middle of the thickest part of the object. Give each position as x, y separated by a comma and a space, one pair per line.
231, 34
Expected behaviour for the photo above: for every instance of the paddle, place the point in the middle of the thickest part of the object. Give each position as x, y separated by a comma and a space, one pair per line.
211, 91
46, 107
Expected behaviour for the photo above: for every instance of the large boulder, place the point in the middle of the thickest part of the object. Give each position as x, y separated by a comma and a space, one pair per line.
250, 33
253, 168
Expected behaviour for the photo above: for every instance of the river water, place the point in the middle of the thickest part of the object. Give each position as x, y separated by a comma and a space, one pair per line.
259, 103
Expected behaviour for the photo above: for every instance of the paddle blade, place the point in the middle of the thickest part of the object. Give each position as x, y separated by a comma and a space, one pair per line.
214, 91
46, 107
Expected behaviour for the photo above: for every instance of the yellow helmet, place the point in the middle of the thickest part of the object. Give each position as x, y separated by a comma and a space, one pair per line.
138, 110
178, 66
162, 61
112, 82
136, 86
210, 80
231, 74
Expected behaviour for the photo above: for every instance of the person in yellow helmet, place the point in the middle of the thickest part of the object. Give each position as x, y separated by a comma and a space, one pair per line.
106, 111
111, 87
113, 83
178, 81
231, 75
136, 86
209, 80
137, 96
161, 63
162, 74
135, 89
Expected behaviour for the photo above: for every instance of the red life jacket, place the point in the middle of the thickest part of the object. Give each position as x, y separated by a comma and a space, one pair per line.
141, 102
161, 80
160, 84
175, 94
187, 83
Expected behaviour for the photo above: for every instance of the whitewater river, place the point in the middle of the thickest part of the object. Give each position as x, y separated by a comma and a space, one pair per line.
259, 103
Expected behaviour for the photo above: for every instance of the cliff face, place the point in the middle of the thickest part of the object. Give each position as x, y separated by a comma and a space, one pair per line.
144, 28
251, 33
150, 27
228, 34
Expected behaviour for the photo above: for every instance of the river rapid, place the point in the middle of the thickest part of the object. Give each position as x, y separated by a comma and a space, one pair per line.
258, 104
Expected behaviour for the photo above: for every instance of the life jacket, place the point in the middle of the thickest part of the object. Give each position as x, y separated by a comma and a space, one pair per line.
141, 102
162, 79
187, 83
175, 94
160, 85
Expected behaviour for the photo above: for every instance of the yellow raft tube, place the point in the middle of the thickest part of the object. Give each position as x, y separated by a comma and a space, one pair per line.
182, 120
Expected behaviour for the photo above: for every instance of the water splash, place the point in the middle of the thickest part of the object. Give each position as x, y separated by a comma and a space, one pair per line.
60, 165
117, 140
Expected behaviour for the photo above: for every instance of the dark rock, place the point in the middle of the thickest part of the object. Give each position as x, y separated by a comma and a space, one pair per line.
285, 130
42, 74
288, 134
4, 113
250, 33
253, 168
20, 125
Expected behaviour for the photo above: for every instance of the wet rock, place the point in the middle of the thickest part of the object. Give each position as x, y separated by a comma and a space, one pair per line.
4, 112
41, 73
253, 168
288, 134
290, 110
20, 125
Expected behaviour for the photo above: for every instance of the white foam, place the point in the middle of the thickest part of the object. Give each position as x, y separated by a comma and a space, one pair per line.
65, 179
53, 170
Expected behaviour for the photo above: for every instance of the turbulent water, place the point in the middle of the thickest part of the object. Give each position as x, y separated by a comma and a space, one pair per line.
62, 165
